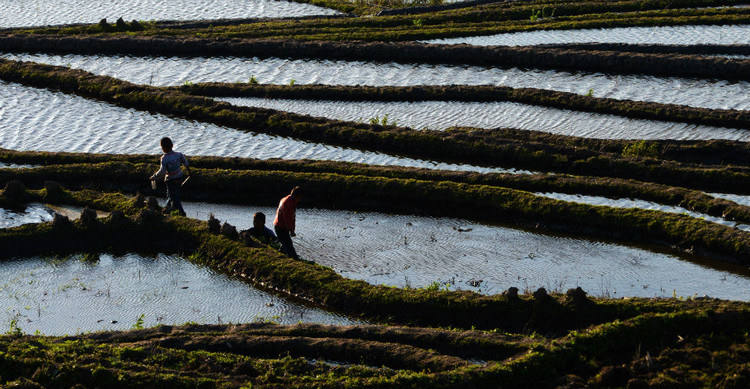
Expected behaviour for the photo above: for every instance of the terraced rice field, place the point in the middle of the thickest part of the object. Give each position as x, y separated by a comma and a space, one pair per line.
560, 203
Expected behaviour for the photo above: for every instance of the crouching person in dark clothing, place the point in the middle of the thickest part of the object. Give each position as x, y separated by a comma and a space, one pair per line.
259, 231
283, 224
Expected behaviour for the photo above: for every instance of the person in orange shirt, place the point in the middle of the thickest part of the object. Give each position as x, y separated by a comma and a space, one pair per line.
283, 223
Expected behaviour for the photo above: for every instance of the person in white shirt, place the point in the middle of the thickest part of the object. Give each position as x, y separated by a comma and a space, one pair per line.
171, 171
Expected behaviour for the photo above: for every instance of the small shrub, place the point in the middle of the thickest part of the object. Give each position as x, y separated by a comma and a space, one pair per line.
88, 217
15, 190
229, 231
120, 25
139, 322
214, 226
104, 25
52, 190
60, 220
641, 148
511, 293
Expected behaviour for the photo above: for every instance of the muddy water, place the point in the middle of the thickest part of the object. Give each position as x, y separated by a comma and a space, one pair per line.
176, 71
57, 296
40, 120
418, 251
31, 213
439, 115
641, 204
22, 13
668, 35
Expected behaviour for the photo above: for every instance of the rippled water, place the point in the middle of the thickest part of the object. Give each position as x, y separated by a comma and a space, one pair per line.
42, 120
417, 251
59, 296
439, 115
718, 94
32, 213
642, 204
22, 13
739, 199
667, 35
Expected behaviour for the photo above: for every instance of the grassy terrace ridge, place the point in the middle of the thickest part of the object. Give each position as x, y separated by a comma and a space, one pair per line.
542, 57
704, 49
474, 146
600, 342
411, 196
608, 187
425, 26
493, 18
695, 347
479, 93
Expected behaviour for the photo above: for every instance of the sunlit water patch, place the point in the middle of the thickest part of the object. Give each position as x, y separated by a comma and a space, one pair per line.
641, 204
31, 213
40, 120
666, 35
11, 165
739, 199
439, 115
57, 296
717, 94
419, 251
22, 13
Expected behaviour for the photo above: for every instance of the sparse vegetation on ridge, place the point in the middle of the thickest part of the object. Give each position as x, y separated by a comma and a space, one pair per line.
479, 202
607, 187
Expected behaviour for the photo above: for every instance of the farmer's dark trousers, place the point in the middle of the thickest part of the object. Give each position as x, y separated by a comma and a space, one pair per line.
286, 242
173, 195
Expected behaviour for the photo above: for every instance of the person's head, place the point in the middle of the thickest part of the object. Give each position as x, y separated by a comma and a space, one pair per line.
297, 193
259, 220
166, 144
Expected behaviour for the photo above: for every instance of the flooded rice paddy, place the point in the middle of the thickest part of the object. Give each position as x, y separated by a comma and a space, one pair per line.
70, 295
418, 251
23, 13
665, 35
439, 115
641, 204
34, 119
162, 71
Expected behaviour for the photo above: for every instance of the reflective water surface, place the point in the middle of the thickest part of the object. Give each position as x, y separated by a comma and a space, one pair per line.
641, 204
418, 251
705, 93
40, 120
31, 213
739, 199
69, 295
665, 35
439, 115
10, 165
23, 13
